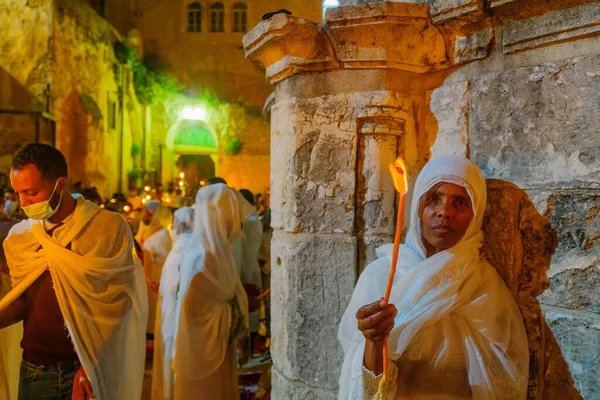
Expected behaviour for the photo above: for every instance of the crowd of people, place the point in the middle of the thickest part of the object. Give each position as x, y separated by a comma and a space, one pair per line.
78, 304
183, 281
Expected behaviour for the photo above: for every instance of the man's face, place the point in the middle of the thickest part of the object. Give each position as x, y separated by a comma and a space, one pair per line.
31, 188
146, 217
446, 212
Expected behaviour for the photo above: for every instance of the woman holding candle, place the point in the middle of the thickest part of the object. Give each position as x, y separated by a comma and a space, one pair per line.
452, 327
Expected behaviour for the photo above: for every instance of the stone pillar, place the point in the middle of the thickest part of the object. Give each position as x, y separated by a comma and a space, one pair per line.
374, 81
345, 107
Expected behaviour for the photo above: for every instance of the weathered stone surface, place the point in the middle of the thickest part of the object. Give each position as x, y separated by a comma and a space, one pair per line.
375, 193
575, 269
475, 46
529, 118
284, 44
284, 388
313, 276
535, 125
443, 10
551, 27
25, 30
575, 289
519, 242
578, 334
450, 105
414, 44
313, 166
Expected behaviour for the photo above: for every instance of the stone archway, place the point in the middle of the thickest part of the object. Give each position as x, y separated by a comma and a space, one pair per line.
190, 143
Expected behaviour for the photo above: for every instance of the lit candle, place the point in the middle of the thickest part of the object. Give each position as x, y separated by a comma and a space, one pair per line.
400, 179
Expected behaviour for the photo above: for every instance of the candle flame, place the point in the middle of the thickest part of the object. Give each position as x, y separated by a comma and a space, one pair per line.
399, 176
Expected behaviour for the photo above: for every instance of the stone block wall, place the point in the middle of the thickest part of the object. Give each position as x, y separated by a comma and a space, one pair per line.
512, 85
528, 116
65, 46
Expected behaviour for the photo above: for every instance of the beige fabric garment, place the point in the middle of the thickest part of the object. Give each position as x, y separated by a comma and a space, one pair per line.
458, 333
100, 289
252, 230
204, 362
10, 350
163, 377
156, 243
156, 249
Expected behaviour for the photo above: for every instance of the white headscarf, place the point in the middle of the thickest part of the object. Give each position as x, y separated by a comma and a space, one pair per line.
161, 219
183, 221
165, 331
208, 282
455, 288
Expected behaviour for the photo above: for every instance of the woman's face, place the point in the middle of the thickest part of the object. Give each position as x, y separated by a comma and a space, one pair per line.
146, 217
446, 212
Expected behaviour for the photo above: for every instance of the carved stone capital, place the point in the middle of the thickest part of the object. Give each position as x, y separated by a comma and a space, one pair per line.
376, 36
285, 45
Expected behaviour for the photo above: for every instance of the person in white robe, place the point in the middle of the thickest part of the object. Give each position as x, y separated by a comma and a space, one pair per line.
455, 331
156, 242
84, 255
166, 318
212, 304
252, 229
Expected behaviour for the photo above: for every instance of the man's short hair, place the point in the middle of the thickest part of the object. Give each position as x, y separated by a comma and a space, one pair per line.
248, 196
214, 180
49, 160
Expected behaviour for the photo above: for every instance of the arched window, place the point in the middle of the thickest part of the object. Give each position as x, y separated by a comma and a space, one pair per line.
217, 17
195, 17
240, 17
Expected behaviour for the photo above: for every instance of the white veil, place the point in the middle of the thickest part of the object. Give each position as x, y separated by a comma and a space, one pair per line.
456, 294
208, 282
166, 321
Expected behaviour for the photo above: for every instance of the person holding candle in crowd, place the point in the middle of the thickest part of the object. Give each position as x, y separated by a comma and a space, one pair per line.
76, 287
453, 329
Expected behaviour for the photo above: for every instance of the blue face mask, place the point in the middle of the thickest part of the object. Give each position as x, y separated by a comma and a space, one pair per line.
43, 211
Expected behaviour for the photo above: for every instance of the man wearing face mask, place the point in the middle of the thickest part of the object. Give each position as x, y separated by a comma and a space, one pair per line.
77, 288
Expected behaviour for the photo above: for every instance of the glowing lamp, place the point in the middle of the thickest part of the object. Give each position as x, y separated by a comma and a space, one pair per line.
202, 183
181, 175
113, 201
126, 209
148, 197
147, 188
193, 113
144, 201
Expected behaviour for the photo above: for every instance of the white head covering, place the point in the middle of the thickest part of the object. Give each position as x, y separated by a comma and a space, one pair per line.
208, 282
450, 169
164, 339
454, 285
161, 219
183, 221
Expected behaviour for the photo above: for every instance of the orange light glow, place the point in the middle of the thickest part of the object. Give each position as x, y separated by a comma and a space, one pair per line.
399, 176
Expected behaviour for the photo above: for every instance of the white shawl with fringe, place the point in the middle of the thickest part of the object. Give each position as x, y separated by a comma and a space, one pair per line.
455, 315
100, 289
